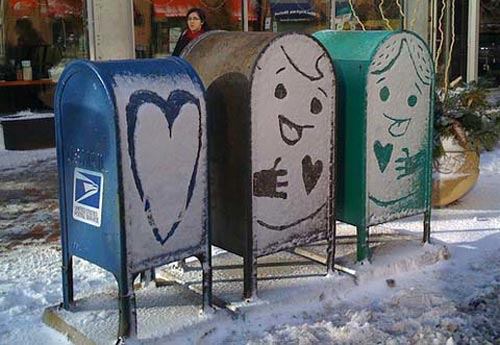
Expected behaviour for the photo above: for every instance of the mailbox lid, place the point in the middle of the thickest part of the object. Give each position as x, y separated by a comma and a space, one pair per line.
364, 153
351, 54
161, 116
351, 45
88, 166
293, 117
400, 87
228, 81
213, 53
94, 126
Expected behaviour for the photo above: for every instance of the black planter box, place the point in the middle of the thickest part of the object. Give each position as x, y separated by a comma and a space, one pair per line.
28, 132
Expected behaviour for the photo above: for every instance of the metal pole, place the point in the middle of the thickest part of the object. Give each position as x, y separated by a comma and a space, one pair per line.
419, 18
447, 36
332, 14
131, 29
473, 40
111, 29
363, 247
404, 6
91, 29
427, 225
433, 35
3, 58
244, 14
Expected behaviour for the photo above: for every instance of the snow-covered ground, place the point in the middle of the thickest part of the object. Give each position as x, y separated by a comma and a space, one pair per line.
452, 301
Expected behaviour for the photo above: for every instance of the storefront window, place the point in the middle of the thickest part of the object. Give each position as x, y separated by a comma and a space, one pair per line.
489, 41
370, 14
43, 33
290, 15
37, 39
158, 23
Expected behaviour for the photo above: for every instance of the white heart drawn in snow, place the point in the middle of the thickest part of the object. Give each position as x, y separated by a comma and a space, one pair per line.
170, 109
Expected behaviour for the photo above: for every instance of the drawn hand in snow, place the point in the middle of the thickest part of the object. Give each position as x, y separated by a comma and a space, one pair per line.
265, 182
409, 164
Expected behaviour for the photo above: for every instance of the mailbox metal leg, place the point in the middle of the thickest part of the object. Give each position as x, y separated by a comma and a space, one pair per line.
427, 227
330, 257
363, 249
206, 266
148, 276
67, 279
249, 276
127, 308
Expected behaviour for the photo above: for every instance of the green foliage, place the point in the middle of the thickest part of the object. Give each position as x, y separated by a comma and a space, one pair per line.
466, 115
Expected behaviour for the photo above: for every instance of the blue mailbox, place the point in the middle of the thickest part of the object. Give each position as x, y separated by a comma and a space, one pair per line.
132, 156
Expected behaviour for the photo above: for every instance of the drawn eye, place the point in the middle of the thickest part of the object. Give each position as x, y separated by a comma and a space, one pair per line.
280, 91
316, 106
384, 94
412, 100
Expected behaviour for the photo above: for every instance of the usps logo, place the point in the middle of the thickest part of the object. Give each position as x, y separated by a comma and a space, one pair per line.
87, 196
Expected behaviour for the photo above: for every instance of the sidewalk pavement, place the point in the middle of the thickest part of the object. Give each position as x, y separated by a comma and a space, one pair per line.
172, 308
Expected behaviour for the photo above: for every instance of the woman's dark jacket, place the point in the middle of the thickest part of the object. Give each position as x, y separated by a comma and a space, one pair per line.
181, 43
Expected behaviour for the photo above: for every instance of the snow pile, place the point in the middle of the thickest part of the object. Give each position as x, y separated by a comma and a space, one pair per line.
454, 302
21, 160
31, 281
25, 115
490, 163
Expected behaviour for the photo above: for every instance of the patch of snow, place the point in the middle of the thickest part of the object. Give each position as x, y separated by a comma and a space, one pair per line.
26, 115
21, 160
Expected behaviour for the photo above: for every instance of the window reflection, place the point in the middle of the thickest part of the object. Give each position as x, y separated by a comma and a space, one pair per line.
376, 17
43, 34
489, 41
302, 16
38, 38
158, 23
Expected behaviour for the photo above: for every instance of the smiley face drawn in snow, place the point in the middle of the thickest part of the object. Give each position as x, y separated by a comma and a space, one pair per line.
399, 100
292, 105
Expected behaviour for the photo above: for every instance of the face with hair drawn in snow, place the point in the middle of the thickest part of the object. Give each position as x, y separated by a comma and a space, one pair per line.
292, 105
399, 99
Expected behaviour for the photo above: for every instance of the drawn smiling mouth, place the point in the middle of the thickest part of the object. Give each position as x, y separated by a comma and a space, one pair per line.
291, 133
399, 126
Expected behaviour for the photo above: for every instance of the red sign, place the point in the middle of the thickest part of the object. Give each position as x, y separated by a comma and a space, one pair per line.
235, 6
23, 7
64, 8
173, 8
179, 8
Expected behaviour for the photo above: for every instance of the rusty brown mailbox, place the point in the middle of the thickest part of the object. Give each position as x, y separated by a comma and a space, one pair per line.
271, 109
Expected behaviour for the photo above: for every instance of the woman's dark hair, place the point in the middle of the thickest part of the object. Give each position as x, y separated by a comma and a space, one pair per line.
27, 33
202, 16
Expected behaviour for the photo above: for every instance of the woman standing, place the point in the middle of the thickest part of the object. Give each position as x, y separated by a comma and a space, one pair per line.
197, 25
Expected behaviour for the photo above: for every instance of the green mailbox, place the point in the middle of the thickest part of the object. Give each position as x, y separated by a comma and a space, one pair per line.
384, 134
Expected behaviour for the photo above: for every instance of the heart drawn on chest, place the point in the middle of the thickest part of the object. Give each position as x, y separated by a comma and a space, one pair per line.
166, 190
383, 154
311, 173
